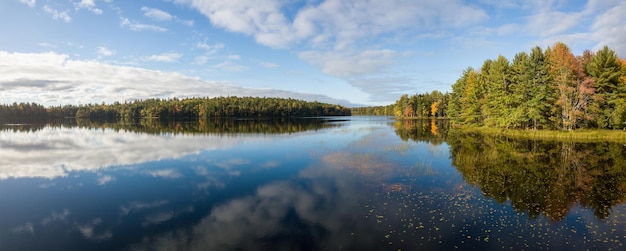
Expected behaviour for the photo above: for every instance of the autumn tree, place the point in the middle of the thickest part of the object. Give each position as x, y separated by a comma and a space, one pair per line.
574, 89
434, 108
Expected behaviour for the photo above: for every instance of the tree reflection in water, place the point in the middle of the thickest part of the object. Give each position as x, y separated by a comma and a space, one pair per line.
541, 177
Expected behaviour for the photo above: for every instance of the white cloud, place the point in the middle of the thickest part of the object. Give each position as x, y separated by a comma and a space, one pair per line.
51, 78
383, 89
47, 45
551, 23
230, 66
201, 60
30, 3
233, 57
160, 15
210, 49
187, 22
157, 14
352, 64
165, 57
268, 65
58, 14
135, 26
336, 21
609, 28
105, 52
89, 5
257, 18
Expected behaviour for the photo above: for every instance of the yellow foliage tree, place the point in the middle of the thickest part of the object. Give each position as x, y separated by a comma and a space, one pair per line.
433, 108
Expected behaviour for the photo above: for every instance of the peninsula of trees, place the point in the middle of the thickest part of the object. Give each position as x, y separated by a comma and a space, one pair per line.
543, 89
233, 107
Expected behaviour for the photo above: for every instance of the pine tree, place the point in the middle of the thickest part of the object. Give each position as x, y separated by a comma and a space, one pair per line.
521, 86
472, 100
498, 104
605, 69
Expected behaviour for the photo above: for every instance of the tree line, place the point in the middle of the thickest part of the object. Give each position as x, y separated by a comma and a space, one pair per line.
222, 107
426, 105
421, 106
386, 110
543, 89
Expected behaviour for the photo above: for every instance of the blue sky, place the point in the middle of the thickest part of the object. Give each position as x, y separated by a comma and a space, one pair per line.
351, 52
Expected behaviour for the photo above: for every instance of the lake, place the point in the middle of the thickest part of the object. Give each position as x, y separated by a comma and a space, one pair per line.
341, 183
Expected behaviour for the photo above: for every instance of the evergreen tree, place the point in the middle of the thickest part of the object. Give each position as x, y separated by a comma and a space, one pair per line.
605, 69
521, 86
541, 92
458, 90
497, 105
472, 100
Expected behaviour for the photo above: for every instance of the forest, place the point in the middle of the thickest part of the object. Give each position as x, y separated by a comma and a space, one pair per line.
386, 110
220, 107
543, 89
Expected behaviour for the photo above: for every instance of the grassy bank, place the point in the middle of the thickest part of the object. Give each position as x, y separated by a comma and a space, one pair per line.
585, 135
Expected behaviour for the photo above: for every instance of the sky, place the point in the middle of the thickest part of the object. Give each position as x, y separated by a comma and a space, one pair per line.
348, 52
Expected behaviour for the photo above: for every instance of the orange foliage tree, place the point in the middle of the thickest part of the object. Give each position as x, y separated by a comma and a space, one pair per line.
574, 88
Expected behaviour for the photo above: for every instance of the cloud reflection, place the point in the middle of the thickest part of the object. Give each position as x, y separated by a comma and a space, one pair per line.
26, 228
90, 230
140, 205
323, 204
55, 152
105, 179
165, 173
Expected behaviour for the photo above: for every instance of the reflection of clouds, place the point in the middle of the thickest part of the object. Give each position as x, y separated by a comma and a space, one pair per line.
363, 164
140, 205
325, 205
270, 164
89, 231
46, 185
56, 216
54, 152
157, 218
210, 179
26, 228
231, 164
440, 150
165, 173
105, 179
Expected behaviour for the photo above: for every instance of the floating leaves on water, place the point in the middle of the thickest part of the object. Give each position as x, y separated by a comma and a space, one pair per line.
440, 218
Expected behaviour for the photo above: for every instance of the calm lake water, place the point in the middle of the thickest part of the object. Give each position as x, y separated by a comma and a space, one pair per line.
348, 183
